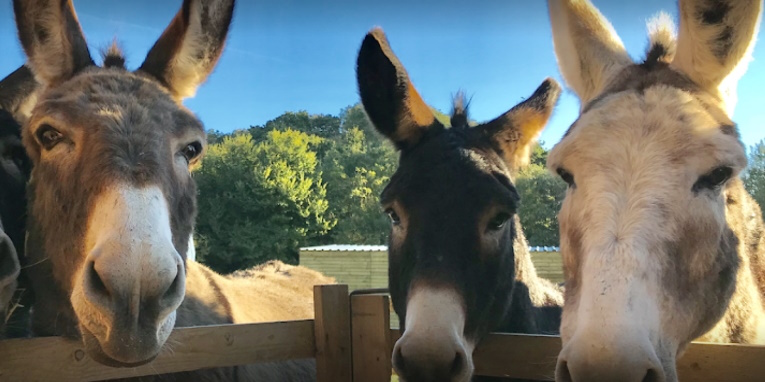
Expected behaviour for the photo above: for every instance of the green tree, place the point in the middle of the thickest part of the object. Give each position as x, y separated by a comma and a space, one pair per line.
754, 176
214, 136
539, 155
441, 117
541, 197
357, 169
321, 125
259, 201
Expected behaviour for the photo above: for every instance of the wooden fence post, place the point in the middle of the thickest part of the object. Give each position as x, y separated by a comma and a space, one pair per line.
332, 329
370, 326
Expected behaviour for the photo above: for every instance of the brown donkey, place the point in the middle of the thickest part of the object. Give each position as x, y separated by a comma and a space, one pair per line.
112, 201
661, 243
460, 266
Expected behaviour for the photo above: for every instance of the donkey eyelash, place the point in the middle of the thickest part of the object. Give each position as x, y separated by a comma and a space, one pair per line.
48, 136
566, 176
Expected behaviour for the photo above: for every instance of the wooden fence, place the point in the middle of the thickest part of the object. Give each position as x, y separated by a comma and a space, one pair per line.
351, 340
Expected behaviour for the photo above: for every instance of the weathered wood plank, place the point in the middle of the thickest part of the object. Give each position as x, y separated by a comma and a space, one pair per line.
722, 362
512, 355
57, 359
332, 327
517, 356
370, 320
534, 357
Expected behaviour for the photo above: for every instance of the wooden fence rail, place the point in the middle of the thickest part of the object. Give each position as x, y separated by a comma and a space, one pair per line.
351, 340
534, 356
58, 359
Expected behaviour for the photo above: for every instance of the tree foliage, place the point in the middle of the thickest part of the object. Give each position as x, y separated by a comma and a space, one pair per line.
259, 201
357, 171
541, 197
754, 177
302, 180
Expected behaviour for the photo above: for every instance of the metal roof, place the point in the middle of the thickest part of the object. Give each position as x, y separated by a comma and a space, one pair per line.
347, 248
544, 249
383, 248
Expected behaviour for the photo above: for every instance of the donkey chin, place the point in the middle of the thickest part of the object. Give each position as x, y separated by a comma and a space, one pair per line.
116, 341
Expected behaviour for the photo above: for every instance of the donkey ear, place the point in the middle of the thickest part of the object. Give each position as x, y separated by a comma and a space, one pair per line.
588, 49
18, 93
391, 102
715, 43
516, 131
52, 39
186, 53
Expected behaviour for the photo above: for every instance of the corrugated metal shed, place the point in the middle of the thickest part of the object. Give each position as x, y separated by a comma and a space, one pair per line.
383, 248
544, 249
347, 248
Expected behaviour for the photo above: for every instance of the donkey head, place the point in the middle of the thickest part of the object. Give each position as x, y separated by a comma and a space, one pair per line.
452, 206
649, 259
112, 201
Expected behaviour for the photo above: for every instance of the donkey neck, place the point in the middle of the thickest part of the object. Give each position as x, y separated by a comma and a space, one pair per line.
744, 320
536, 302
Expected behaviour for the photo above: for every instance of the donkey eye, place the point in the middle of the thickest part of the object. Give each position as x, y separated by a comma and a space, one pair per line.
498, 221
566, 176
48, 136
394, 218
191, 151
713, 179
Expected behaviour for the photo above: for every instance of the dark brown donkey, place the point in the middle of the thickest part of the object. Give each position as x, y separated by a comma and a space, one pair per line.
459, 264
15, 90
112, 201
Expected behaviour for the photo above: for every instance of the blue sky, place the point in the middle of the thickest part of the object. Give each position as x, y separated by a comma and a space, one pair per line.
291, 55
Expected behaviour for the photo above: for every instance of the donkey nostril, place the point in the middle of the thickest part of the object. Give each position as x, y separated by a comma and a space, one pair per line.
9, 262
562, 374
457, 365
95, 283
651, 376
175, 289
398, 361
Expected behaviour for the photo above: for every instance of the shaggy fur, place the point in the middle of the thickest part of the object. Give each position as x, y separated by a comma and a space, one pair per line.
16, 90
122, 148
459, 263
661, 243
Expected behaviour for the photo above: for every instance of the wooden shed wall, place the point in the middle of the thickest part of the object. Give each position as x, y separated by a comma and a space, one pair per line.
548, 265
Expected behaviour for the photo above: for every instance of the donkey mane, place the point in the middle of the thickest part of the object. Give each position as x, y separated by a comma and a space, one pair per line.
459, 118
662, 41
113, 57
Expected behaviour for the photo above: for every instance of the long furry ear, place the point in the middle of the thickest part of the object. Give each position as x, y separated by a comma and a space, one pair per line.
515, 132
52, 39
186, 53
588, 50
715, 43
391, 102
18, 93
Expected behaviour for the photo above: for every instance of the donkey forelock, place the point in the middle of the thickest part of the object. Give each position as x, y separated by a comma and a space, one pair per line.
651, 234
113, 57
